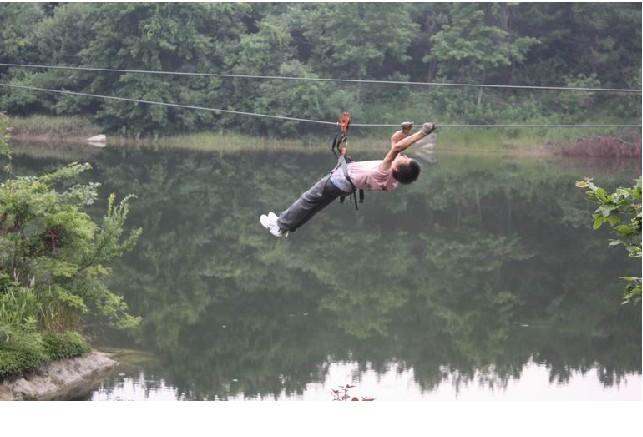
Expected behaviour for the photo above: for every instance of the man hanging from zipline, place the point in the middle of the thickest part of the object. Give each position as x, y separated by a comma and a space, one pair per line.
349, 177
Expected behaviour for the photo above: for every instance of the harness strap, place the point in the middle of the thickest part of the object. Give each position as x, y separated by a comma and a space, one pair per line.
342, 162
339, 141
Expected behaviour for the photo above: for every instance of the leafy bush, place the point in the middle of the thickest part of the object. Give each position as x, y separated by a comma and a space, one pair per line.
65, 345
49, 245
20, 351
53, 265
622, 211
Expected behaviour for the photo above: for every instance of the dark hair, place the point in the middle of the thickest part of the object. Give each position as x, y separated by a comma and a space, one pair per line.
407, 173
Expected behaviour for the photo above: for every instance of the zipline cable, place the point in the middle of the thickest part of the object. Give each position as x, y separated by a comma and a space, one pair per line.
173, 105
283, 117
314, 79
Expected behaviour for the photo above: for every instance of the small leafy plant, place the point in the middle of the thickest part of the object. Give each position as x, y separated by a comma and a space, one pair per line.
621, 210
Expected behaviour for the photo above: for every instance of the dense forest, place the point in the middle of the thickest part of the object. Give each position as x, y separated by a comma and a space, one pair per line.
561, 44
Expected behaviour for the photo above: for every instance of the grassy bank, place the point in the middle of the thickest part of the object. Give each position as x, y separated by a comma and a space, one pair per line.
48, 128
567, 141
22, 352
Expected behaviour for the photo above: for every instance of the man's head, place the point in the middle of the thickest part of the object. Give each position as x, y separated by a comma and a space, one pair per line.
405, 170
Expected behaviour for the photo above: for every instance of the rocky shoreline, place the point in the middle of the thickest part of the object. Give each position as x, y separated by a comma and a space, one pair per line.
62, 379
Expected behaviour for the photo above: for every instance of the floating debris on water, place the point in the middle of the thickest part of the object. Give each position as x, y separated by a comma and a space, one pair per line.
341, 394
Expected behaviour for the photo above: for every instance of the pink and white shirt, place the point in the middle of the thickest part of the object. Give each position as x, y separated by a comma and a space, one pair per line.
366, 176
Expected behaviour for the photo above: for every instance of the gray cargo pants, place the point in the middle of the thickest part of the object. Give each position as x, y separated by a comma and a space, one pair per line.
309, 203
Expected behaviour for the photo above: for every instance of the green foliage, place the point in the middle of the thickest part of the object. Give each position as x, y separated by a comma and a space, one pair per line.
621, 210
17, 31
5, 150
53, 260
21, 351
195, 37
65, 345
581, 39
470, 48
354, 40
572, 44
49, 244
579, 103
316, 100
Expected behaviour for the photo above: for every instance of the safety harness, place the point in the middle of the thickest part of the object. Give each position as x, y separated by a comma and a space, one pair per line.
339, 141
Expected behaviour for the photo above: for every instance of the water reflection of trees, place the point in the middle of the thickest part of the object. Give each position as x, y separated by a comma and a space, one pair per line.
441, 277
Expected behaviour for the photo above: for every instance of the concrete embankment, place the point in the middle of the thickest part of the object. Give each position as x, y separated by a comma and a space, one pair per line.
62, 379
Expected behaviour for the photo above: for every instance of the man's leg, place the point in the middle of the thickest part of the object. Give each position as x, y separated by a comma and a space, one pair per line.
309, 203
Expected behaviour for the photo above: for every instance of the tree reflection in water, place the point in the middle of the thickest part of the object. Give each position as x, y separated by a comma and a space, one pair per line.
479, 268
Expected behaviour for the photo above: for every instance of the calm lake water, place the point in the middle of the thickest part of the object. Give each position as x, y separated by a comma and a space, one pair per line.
483, 280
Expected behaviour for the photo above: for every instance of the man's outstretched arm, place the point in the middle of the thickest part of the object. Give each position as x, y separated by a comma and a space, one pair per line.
405, 143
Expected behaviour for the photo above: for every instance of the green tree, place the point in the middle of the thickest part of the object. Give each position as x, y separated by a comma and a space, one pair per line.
194, 37
263, 52
18, 24
54, 251
53, 265
581, 39
354, 40
477, 43
315, 101
579, 44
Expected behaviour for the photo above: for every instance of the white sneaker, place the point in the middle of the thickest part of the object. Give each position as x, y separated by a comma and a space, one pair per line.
270, 222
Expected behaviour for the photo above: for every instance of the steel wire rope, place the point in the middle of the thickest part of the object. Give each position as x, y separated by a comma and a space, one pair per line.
287, 118
316, 79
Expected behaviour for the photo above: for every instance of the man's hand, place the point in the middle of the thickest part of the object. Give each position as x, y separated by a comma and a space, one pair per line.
427, 128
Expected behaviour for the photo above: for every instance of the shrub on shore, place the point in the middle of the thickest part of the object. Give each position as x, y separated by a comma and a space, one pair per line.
53, 265
21, 352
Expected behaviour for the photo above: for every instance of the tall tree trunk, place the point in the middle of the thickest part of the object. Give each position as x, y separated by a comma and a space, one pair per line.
508, 198
478, 203
503, 16
480, 91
